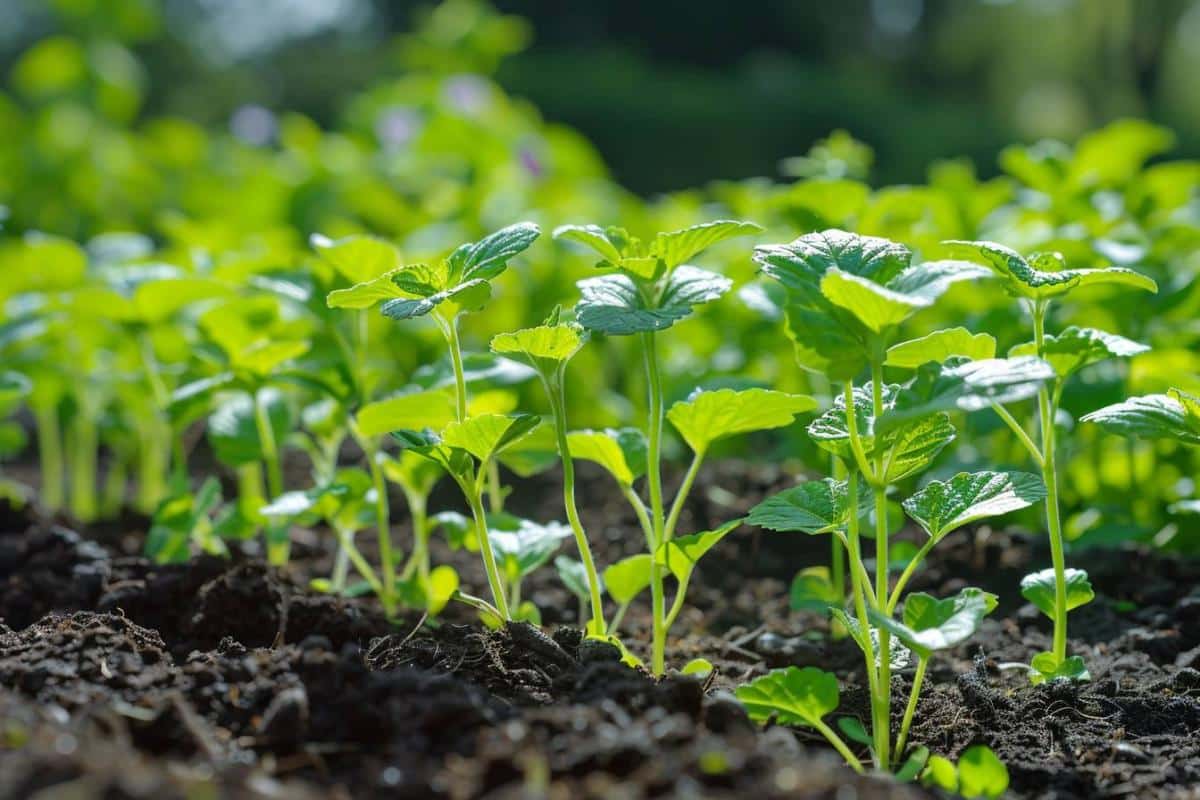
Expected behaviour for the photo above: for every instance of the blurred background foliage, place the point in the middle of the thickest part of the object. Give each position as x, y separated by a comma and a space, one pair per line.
216, 136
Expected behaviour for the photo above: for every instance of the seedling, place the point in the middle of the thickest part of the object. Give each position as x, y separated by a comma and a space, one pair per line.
1037, 281
846, 297
466, 447
649, 288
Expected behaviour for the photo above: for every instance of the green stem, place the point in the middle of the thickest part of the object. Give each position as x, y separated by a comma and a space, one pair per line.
1022, 436
654, 482
908, 573
617, 617
856, 584
681, 496
677, 605
346, 543
495, 490
1047, 409
478, 603
277, 541
911, 708
838, 745
558, 407
485, 549
50, 456
114, 485
883, 701
341, 566
450, 329
84, 451
383, 531
639, 510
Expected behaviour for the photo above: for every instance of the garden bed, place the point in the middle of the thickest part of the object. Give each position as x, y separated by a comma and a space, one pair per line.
123, 678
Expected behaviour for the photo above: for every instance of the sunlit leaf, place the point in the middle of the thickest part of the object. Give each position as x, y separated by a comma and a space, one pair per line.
1075, 348
707, 416
942, 506
1038, 588
940, 346
793, 696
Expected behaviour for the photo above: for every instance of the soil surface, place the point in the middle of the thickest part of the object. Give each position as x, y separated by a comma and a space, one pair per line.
224, 677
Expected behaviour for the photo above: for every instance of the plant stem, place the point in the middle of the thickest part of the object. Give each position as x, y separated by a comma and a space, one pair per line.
654, 482
84, 451
450, 329
639, 510
485, 549
114, 485
838, 745
558, 407
898, 590
617, 617
277, 545
837, 562
383, 530
50, 456
1047, 409
494, 489
1022, 436
882, 703
856, 581
681, 496
911, 708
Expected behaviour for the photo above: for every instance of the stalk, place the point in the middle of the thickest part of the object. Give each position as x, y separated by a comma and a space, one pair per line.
685, 488
450, 329
383, 527
558, 407
114, 485
654, 483
485, 548
84, 452
346, 542
50, 455
1047, 409
911, 708
277, 542
838, 558
856, 585
882, 703
152, 467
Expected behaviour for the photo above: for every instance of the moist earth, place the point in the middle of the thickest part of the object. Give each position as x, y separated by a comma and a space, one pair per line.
123, 678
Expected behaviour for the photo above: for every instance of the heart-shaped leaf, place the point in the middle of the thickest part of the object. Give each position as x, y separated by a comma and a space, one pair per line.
967, 386
981, 773
487, 258
544, 346
812, 507
409, 411
629, 577
793, 696
622, 452
1047, 667
830, 432
707, 416
940, 346
1038, 588
486, 435
931, 624
1044, 275
1152, 416
931, 279
876, 307
943, 506
358, 259
1075, 348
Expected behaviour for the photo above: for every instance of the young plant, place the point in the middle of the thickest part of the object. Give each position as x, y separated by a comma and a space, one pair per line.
467, 447
1036, 282
649, 289
548, 348
846, 297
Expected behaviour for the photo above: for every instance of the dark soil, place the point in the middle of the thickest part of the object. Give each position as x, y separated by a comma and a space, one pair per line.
120, 678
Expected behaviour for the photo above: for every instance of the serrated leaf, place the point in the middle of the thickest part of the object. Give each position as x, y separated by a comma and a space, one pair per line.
366, 294
1043, 275
813, 507
943, 506
411, 411
830, 432
707, 416
793, 696
468, 296
629, 577
487, 435
592, 236
681, 554
547, 344
967, 386
613, 304
1152, 416
622, 452
940, 346
487, 258
677, 247
930, 624
801, 264
931, 279
358, 259
876, 307
823, 344
1075, 348
1038, 588
914, 445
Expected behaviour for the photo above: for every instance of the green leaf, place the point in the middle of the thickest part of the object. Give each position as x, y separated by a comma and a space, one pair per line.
411, 411
233, 431
467, 296
368, 293
700, 667
358, 259
931, 279
913, 765
1047, 667
981, 774
628, 578
853, 728
13, 387
794, 696
532, 454
574, 576
411, 471
1038, 588
967, 386
875, 306
899, 656
812, 590
823, 344
940, 346
486, 435
1152, 416
613, 304
931, 624
943, 506
914, 445
522, 545
546, 344
1075, 348
940, 772
263, 357
1043, 275
707, 416
812, 507
487, 258
622, 452
830, 432
443, 583
677, 247
681, 554
592, 236
801, 264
